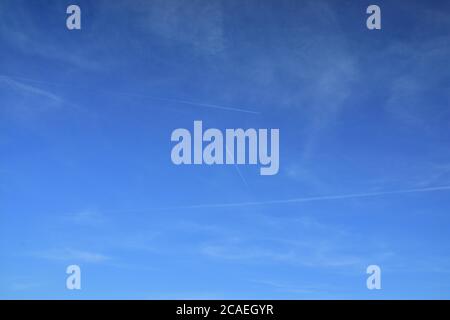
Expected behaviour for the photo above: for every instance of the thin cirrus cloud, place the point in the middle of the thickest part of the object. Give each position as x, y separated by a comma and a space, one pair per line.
309, 253
86, 218
68, 254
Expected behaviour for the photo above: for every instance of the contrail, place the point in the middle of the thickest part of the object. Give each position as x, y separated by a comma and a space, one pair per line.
179, 101
206, 105
187, 102
284, 201
309, 199
28, 88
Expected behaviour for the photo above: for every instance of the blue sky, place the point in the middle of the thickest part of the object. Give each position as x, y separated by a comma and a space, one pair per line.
86, 176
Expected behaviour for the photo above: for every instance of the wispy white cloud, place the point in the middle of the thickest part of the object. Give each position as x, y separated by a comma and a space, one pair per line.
72, 255
86, 217
307, 252
24, 286
413, 97
238, 252
296, 242
294, 289
197, 24
20, 29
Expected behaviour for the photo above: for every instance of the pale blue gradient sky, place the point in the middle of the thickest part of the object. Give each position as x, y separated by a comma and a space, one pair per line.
85, 170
